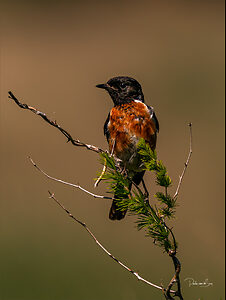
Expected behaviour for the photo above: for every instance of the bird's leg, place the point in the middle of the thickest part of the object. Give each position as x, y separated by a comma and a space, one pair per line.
113, 148
124, 171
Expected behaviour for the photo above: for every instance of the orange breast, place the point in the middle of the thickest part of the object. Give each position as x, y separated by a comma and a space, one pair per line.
128, 123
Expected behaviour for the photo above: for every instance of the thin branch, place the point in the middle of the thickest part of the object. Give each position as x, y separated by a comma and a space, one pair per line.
173, 237
84, 225
102, 247
68, 183
186, 164
102, 174
175, 279
77, 186
54, 124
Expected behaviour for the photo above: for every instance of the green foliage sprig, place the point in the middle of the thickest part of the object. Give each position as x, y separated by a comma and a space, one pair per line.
150, 217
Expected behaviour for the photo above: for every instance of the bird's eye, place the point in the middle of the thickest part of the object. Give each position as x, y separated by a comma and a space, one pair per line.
122, 85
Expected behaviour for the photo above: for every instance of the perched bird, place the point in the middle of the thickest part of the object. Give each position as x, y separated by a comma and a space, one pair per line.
129, 120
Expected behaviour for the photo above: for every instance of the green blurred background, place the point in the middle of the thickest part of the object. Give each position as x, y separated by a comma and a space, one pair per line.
53, 53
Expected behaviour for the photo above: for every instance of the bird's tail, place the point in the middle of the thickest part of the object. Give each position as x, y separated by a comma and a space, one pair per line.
115, 213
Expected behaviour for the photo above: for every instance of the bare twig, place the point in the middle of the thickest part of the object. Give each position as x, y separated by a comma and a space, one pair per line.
102, 174
102, 247
185, 165
68, 183
77, 186
54, 124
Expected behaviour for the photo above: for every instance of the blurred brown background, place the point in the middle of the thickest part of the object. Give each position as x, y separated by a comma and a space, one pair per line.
53, 53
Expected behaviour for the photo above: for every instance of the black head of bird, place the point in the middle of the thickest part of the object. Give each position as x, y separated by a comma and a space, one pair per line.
123, 89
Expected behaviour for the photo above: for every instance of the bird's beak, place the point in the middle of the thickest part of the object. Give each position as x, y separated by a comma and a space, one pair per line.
104, 86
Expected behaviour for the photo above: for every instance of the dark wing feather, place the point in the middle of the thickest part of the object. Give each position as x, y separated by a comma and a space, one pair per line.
106, 131
154, 118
